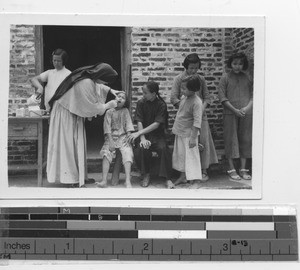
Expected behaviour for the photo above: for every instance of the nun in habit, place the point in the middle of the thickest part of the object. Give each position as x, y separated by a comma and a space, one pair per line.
81, 95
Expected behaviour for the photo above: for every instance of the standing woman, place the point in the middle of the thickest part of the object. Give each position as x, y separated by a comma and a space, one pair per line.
236, 96
82, 94
192, 64
52, 77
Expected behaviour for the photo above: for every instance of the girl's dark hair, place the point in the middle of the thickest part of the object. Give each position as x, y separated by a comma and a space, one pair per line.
126, 104
241, 56
191, 59
193, 83
62, 53
153, 87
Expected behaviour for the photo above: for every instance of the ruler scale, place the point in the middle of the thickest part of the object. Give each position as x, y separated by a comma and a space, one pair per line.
148, 234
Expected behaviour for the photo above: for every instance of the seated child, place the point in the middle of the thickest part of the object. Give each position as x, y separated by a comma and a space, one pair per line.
117, 126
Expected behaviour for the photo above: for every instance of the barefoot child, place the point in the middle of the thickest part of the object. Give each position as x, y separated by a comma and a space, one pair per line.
117, 126
186, 157
236, 95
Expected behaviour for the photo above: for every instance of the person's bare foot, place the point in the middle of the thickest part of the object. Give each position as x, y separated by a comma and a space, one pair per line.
128, 184
170, 184
102, 184
146, 180
181, 180
114, 181
204, 176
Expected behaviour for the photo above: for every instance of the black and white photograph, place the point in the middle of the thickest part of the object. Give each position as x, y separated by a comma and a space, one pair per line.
134, 107
149, 134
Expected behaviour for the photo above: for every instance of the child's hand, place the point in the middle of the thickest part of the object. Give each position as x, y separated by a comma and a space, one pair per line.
244, 110
239, 113
112, 147
200, 147
192, 143
127, 139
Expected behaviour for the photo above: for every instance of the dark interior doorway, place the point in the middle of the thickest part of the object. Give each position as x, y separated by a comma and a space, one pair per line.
86, 45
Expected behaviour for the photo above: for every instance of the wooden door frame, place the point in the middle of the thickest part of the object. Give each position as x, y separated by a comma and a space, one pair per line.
125, 40
39, 49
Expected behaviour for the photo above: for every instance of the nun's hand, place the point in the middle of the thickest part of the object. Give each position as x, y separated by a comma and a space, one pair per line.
111, 104
115, 92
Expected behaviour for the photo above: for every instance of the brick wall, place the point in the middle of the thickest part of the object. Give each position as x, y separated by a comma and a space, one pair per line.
22, 61
240, 40
158, 53
22, 67
243, 41
22, 152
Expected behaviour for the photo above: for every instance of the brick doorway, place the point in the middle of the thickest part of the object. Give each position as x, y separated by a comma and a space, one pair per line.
87, 45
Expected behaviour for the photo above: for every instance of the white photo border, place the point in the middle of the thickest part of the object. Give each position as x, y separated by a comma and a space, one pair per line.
211, 21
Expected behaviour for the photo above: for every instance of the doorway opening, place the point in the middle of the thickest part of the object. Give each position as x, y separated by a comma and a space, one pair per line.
87, 45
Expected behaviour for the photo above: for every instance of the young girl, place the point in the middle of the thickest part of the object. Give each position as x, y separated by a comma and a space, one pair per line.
236, 95
117, 126
53, 77
152, 119
192, 64
187, 125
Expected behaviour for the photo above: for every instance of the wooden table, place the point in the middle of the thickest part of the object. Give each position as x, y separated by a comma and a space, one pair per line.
29, 128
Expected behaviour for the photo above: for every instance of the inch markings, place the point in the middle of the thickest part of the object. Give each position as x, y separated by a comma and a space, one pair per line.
147, 234
245, 249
